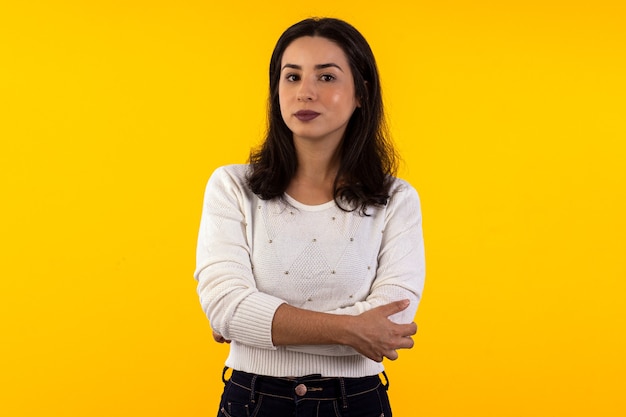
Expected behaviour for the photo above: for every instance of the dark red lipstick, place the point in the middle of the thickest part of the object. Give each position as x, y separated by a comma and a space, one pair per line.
306, 115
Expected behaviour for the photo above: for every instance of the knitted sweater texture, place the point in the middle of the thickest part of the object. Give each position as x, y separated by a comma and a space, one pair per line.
254, 255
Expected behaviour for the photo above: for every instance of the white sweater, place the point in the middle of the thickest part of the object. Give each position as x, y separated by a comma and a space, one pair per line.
254, 255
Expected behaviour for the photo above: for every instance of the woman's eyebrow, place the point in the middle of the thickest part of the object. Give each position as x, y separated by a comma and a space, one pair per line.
317, 67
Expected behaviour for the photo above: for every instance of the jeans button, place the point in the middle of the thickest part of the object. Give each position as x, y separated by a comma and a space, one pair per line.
301, 390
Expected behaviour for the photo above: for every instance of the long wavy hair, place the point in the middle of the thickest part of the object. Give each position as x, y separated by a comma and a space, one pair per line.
367, 158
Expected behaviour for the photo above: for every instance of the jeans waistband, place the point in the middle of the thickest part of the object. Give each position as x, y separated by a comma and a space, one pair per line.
308, 387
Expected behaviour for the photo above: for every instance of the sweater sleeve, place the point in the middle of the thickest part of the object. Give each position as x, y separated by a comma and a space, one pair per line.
401, 262
401, 265
228, 294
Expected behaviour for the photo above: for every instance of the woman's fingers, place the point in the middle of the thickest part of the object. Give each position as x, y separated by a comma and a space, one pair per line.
393, 307
392, 355
219, 338
381, 338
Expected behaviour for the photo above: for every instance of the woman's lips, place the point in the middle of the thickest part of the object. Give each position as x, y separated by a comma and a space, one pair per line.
306, 115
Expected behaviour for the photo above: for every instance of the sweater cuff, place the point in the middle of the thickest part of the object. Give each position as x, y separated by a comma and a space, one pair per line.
252, 322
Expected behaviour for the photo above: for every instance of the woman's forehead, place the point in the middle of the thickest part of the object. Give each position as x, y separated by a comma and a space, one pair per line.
313, 50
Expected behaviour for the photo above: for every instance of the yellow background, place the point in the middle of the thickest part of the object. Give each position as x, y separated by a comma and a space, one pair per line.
510, 116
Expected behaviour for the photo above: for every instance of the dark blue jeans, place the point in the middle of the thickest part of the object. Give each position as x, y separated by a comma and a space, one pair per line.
249, 395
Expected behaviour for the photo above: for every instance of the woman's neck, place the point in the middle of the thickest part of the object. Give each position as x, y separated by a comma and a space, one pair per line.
314, 180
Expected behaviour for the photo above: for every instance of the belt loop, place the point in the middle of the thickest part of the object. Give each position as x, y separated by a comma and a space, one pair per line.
224, 375
254, 377
344, 397
386, 381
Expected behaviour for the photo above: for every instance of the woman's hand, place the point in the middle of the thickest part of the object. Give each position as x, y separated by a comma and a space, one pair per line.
372, 334
219, 338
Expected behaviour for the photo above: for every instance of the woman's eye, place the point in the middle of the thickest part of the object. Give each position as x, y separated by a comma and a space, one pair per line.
292, 77
327, 77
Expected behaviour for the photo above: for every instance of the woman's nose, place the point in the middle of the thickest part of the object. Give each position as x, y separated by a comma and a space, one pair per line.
306, 92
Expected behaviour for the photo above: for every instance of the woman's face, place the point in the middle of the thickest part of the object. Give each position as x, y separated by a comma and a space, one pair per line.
316, 90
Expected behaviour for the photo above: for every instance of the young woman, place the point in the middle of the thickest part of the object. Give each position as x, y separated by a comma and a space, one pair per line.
310, 259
